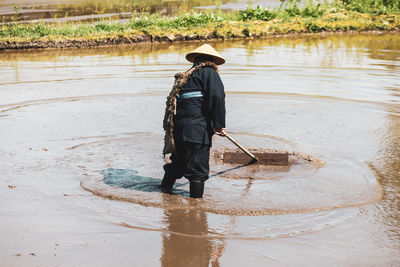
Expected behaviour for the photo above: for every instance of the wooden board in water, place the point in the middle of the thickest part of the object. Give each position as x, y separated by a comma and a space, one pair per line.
265, 158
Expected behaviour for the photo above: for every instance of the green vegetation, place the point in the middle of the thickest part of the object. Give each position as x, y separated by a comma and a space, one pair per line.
291, 10
252, 22
378, 7
192, 19
257, 13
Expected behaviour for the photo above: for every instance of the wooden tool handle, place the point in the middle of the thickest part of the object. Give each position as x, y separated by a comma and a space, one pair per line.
248, 153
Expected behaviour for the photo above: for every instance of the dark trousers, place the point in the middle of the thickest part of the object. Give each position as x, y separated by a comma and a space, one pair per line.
190, 160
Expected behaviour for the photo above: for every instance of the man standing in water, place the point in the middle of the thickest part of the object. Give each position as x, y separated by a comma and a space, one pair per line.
195, 111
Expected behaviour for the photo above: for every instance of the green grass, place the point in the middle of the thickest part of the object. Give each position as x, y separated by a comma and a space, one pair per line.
252, 22
143, 23
377, 7
192, 19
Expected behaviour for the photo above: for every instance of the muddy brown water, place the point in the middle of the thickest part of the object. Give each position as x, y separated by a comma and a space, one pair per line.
91, 10
93, 116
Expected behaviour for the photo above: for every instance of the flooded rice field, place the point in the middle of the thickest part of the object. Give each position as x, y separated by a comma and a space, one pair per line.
89, 10
81, 140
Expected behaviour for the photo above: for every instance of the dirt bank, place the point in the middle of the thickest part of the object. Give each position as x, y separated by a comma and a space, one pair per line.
143, 38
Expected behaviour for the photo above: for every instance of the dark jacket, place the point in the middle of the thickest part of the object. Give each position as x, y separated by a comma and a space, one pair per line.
196, 118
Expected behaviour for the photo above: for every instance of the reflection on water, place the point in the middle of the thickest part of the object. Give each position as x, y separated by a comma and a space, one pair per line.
68, 114
191, 247
185, 239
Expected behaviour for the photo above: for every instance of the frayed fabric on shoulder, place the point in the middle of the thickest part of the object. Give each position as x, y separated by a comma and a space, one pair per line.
170, 109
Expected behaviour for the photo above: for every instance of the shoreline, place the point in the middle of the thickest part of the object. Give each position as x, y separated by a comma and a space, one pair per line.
142, 39
39, 35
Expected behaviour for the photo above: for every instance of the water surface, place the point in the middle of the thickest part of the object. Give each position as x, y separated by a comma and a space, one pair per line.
90, 10
70, 114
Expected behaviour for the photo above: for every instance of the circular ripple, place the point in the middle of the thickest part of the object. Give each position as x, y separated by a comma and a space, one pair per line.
136, 170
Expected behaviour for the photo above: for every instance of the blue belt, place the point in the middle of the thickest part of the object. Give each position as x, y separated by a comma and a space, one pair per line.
190, 94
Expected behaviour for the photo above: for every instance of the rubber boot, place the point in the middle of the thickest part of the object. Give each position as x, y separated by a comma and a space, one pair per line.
196, 189
167, 182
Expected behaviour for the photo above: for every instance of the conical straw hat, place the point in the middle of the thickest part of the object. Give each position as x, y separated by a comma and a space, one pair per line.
206, 49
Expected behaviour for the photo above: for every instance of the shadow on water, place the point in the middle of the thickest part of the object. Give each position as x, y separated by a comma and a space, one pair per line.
129, 179
234, 168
